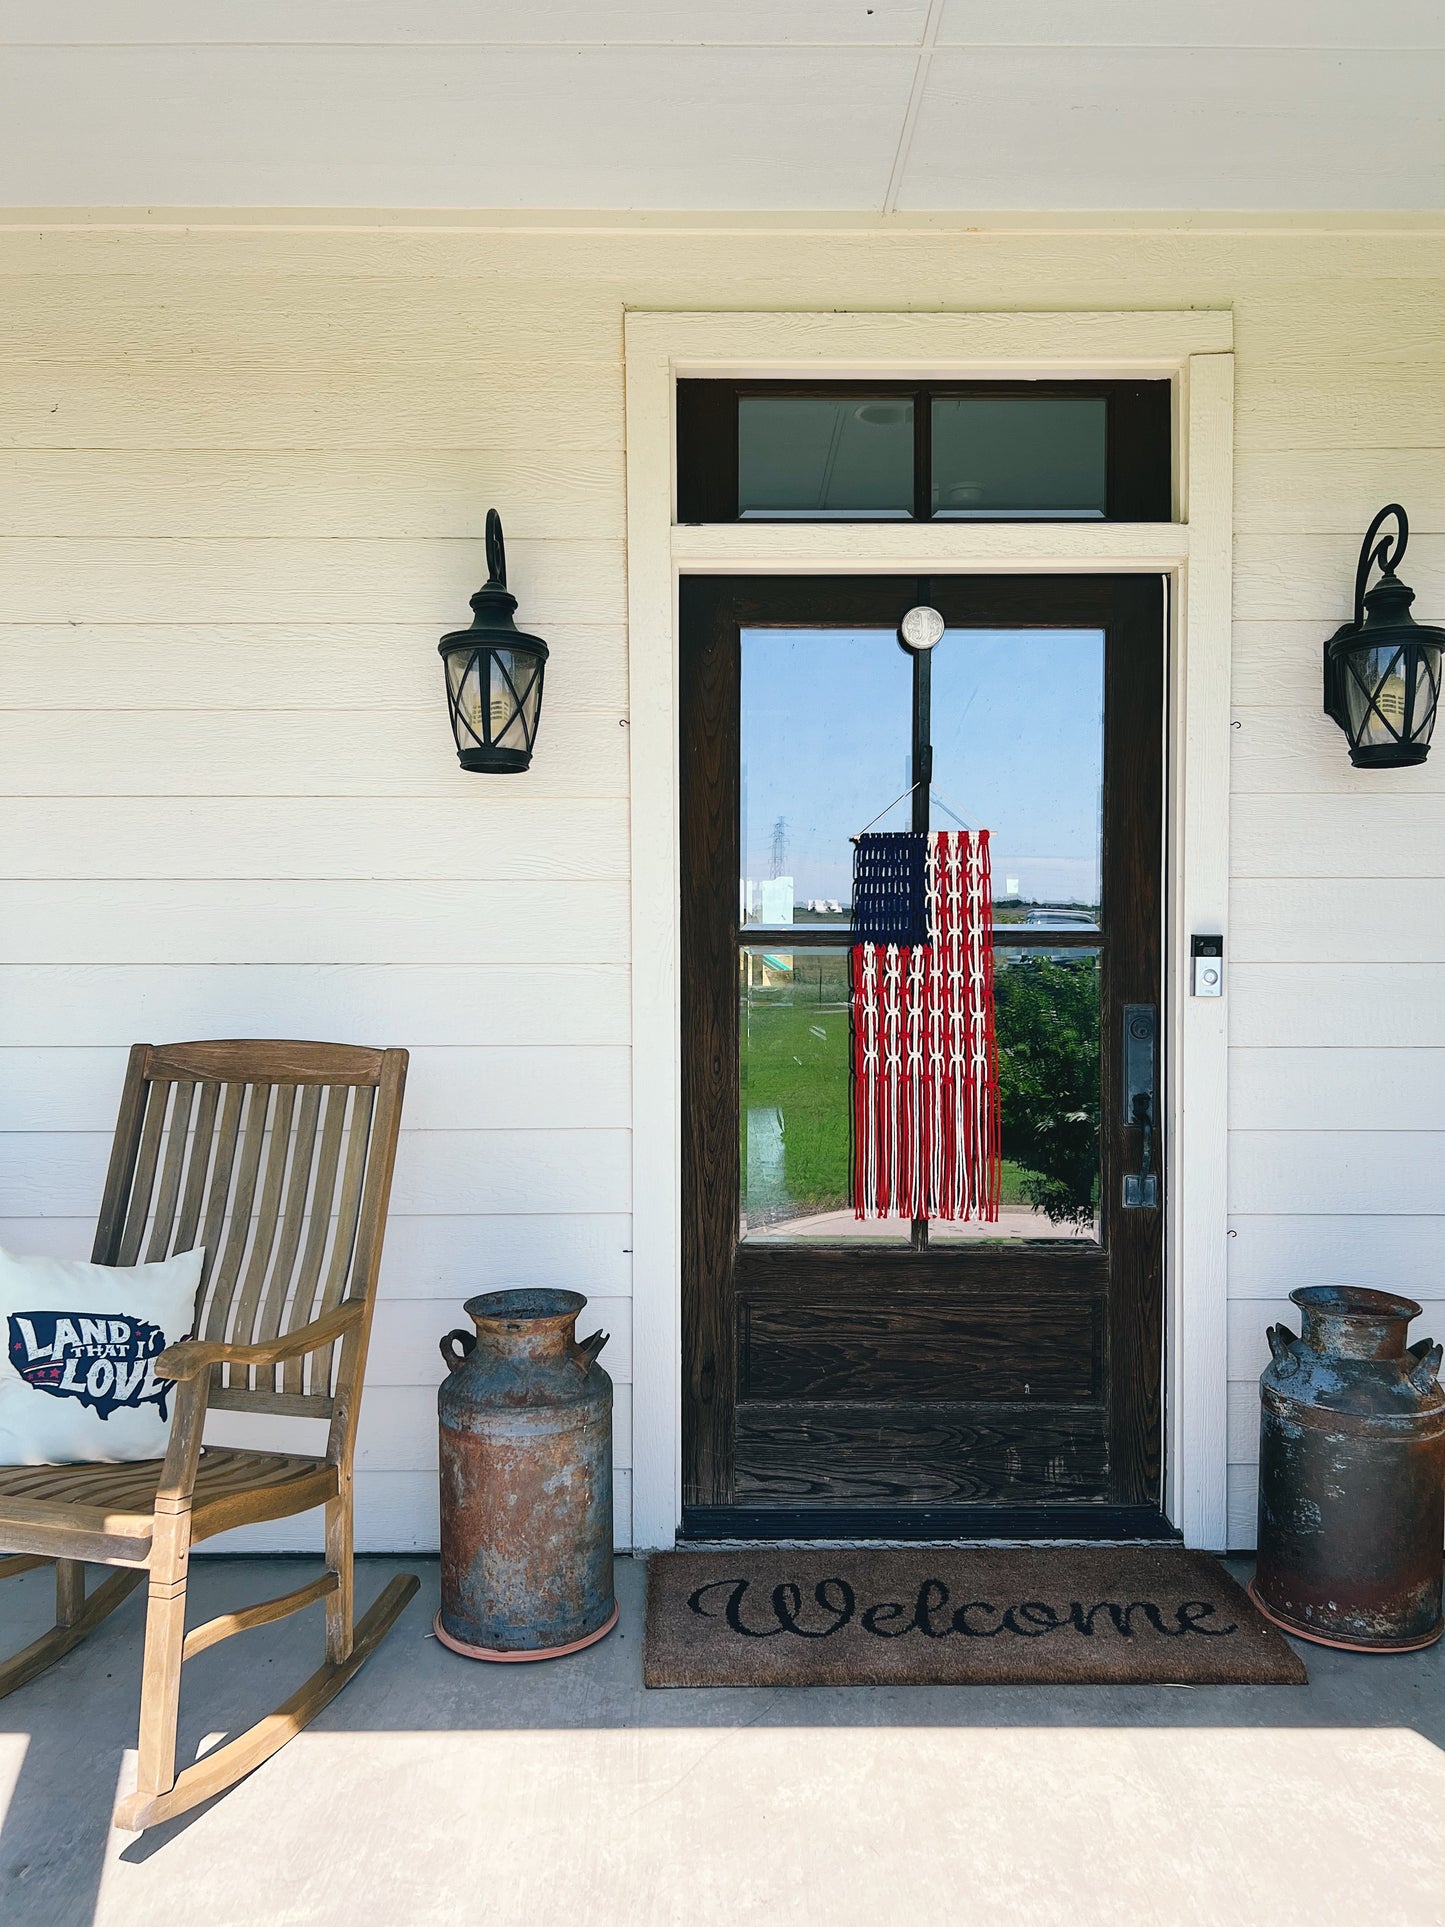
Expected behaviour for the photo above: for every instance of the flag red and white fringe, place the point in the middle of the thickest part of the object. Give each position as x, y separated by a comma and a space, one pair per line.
925, 1058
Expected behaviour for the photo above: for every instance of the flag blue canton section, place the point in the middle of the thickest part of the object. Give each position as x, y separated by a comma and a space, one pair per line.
890, 888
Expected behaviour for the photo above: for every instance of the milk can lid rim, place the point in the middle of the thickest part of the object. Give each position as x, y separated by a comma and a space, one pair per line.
524, 1305
1354, 1301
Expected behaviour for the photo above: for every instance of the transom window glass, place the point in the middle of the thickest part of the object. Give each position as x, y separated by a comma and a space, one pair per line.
981, 451
1020, 456
808, 456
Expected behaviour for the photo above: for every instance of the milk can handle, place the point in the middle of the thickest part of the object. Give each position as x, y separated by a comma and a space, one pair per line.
1426, 1369
467, 1341
1280, 1339
588, 1348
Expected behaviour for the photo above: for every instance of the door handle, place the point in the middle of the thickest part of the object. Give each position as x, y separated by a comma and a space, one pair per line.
1141, 1058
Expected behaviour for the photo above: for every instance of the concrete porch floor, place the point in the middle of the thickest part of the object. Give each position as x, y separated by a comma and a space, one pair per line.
441, 1790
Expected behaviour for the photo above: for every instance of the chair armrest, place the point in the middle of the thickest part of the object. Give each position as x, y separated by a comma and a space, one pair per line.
192, 1356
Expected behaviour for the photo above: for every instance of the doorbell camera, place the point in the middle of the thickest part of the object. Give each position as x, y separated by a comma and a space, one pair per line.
1206, 956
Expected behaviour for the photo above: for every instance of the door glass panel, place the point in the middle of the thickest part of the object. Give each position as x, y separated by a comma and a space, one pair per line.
814, 456
1035, 456
826, 741
826, 728
1018, 750
1046, 1014
794, 1095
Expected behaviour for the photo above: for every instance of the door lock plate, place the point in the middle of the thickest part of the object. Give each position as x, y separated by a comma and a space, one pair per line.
1141, 1026
1140, 1095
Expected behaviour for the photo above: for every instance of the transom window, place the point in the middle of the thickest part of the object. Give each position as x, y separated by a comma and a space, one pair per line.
898, 451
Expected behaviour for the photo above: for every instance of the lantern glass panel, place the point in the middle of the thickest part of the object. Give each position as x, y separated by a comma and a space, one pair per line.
1427, 692
496, 694
513, 699
464, 689
1375, 693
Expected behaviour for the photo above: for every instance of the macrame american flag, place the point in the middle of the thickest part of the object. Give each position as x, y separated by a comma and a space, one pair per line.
925, 1059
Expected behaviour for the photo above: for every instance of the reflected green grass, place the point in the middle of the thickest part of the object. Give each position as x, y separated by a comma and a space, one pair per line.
795, 1146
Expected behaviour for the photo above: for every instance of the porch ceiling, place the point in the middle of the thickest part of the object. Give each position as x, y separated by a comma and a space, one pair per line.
850, 105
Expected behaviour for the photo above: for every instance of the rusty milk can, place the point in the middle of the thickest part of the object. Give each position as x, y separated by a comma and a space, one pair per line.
1352, 1475
526, 1481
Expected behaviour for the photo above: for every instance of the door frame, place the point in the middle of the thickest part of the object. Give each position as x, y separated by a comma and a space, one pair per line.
1194, 349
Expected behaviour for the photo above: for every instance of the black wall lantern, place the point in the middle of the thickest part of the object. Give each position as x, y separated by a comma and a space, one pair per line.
494, 673
1382, 671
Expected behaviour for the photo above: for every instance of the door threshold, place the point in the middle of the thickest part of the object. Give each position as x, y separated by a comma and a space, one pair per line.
926, 1525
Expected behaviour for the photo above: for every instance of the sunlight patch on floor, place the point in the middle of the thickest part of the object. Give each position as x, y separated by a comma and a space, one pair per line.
13, 1748
655, 1826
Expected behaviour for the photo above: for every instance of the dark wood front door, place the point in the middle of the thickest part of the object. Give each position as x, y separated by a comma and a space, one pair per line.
896, 1379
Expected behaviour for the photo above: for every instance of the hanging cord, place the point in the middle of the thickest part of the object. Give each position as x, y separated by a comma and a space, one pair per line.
947, 809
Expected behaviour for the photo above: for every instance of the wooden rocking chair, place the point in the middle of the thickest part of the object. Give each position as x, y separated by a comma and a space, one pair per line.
277, 1157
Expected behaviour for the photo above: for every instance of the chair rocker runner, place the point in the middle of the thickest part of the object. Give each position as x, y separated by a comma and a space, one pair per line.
277, 1157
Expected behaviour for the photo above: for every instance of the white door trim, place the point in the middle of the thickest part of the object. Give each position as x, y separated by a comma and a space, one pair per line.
1194, 349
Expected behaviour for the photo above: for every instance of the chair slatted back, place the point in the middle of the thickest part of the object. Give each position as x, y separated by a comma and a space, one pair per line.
277, 1158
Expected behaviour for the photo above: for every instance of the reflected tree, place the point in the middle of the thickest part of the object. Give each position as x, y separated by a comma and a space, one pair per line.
1047, 1015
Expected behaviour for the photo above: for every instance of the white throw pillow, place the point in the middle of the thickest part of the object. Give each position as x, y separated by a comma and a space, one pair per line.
78, 1381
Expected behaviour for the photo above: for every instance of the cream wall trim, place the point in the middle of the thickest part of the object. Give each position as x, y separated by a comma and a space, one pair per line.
1194, 348
1197, 899
750, 221
727, 548
824, 346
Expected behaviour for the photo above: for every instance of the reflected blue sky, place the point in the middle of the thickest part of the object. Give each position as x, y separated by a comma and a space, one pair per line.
1018, 750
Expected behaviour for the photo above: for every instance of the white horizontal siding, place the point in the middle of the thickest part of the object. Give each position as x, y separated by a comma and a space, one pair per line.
426, 1004
1366, 1088
456, 1089
287, 752
1242, 1502
1383, 1172
507, 1171
485, 402
225, 494
1283, 751
329, 579
283, 920
243, 477
1273, 1252
1386, 838
392, 839
446, 1257
1297, 1005
312, 666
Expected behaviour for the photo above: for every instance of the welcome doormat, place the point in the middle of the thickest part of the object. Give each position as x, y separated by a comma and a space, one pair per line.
1033, 1616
